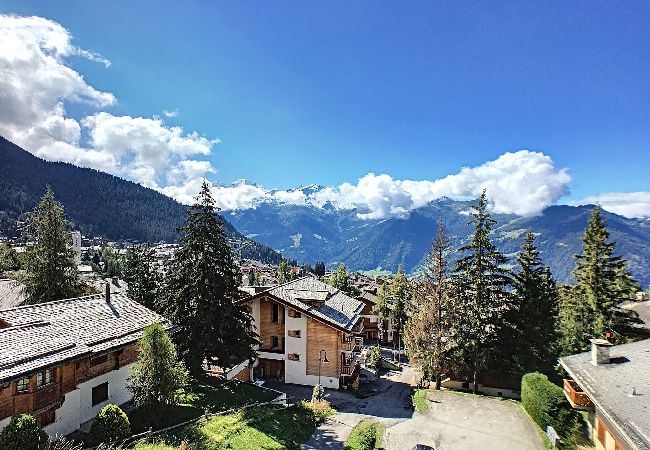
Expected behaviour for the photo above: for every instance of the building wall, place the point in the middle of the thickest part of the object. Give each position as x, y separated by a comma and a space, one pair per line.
269, 328
323, 337
68, 400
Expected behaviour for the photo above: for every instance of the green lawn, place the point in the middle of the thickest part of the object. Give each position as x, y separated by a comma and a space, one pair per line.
266, 427
203, 394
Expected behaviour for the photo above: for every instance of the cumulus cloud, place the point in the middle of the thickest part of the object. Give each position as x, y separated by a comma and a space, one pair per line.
35, 85
628, 204
170, 114
522, 183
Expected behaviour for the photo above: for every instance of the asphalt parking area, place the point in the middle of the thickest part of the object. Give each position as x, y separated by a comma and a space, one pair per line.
456, 421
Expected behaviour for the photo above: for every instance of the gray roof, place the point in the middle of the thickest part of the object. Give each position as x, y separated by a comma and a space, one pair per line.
10, 293
338, 309
49, 334
610, 386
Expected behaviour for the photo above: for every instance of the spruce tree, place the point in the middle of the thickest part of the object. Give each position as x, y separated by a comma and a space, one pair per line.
157, 376
202, 290
319, 268
533, 317
481, 285
341, 280
602, 284
393, 299
50, 268
426, 326
142, 276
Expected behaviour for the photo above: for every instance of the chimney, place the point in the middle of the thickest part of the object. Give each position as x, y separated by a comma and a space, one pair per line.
600, 351
108, 292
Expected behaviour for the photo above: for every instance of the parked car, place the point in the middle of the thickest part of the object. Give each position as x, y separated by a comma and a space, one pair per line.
423, 447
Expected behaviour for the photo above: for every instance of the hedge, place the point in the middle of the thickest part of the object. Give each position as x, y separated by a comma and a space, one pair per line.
546, 404
366, 435
23, 433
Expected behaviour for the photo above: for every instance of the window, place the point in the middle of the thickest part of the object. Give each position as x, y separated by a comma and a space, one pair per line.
98, 360
293, 313
22, 385
293, 357
275, 342
100, 393
294, 333
274, 315
44, 378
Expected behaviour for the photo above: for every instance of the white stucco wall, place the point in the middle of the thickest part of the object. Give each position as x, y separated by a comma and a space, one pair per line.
77, 405
117, 392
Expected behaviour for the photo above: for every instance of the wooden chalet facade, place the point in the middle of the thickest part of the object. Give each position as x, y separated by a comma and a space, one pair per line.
63, 361
302, 323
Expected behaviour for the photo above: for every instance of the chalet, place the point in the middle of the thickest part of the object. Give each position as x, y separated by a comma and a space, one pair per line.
308, 330
62, 361
375, 329
612, 383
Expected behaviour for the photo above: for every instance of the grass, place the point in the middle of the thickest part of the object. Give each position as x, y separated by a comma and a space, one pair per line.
420, 400
205, 394
264, 428
366, 435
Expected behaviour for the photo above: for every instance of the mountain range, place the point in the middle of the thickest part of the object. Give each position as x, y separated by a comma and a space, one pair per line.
312, 233
97, 203
100, 204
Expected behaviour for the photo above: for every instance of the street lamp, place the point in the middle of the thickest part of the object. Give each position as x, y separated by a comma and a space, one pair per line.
322, 358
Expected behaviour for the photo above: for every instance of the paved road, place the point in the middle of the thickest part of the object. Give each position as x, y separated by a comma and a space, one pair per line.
457, 421
453, 421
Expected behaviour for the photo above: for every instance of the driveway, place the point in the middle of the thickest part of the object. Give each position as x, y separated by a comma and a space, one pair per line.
464, 421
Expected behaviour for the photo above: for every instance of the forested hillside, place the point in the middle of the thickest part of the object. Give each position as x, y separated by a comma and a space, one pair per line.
97, 203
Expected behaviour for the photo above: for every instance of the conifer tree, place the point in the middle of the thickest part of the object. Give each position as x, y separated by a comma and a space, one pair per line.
481, 295
319, 268
426, 326
602, 283
284, 272
202, 290
157, 376
533, 317
141, 274
341, 280
50, 268
394, 296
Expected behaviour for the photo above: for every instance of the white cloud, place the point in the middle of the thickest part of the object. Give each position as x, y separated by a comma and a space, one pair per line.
628, 204
35, 85
522, 183
171, 113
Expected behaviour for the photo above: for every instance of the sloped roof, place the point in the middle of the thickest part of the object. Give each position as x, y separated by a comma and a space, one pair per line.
10, 293
49, 334
610, 387
337, 308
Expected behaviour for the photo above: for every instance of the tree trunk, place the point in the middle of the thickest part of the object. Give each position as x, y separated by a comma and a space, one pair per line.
438, 381
475, 387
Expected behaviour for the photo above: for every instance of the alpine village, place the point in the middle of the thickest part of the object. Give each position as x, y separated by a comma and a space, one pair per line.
431, 294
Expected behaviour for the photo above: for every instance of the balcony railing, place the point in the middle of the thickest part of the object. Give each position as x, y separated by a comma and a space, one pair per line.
577, 398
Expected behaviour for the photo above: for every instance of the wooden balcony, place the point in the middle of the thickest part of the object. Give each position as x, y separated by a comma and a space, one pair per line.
577, 398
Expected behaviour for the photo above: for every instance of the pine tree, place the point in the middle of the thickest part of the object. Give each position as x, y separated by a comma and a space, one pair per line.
157, 376
533, 317
142, 276
602, 284
319, 268
481, 294
202, 290
50, 269
426, 326
284, 272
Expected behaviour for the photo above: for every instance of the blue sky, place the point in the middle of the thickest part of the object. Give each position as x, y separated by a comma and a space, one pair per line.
326, 92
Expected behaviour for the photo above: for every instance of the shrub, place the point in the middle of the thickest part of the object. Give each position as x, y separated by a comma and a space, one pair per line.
23, 433
319, 410
546, 404
110, 425
366, 435
420, 400
374, 357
